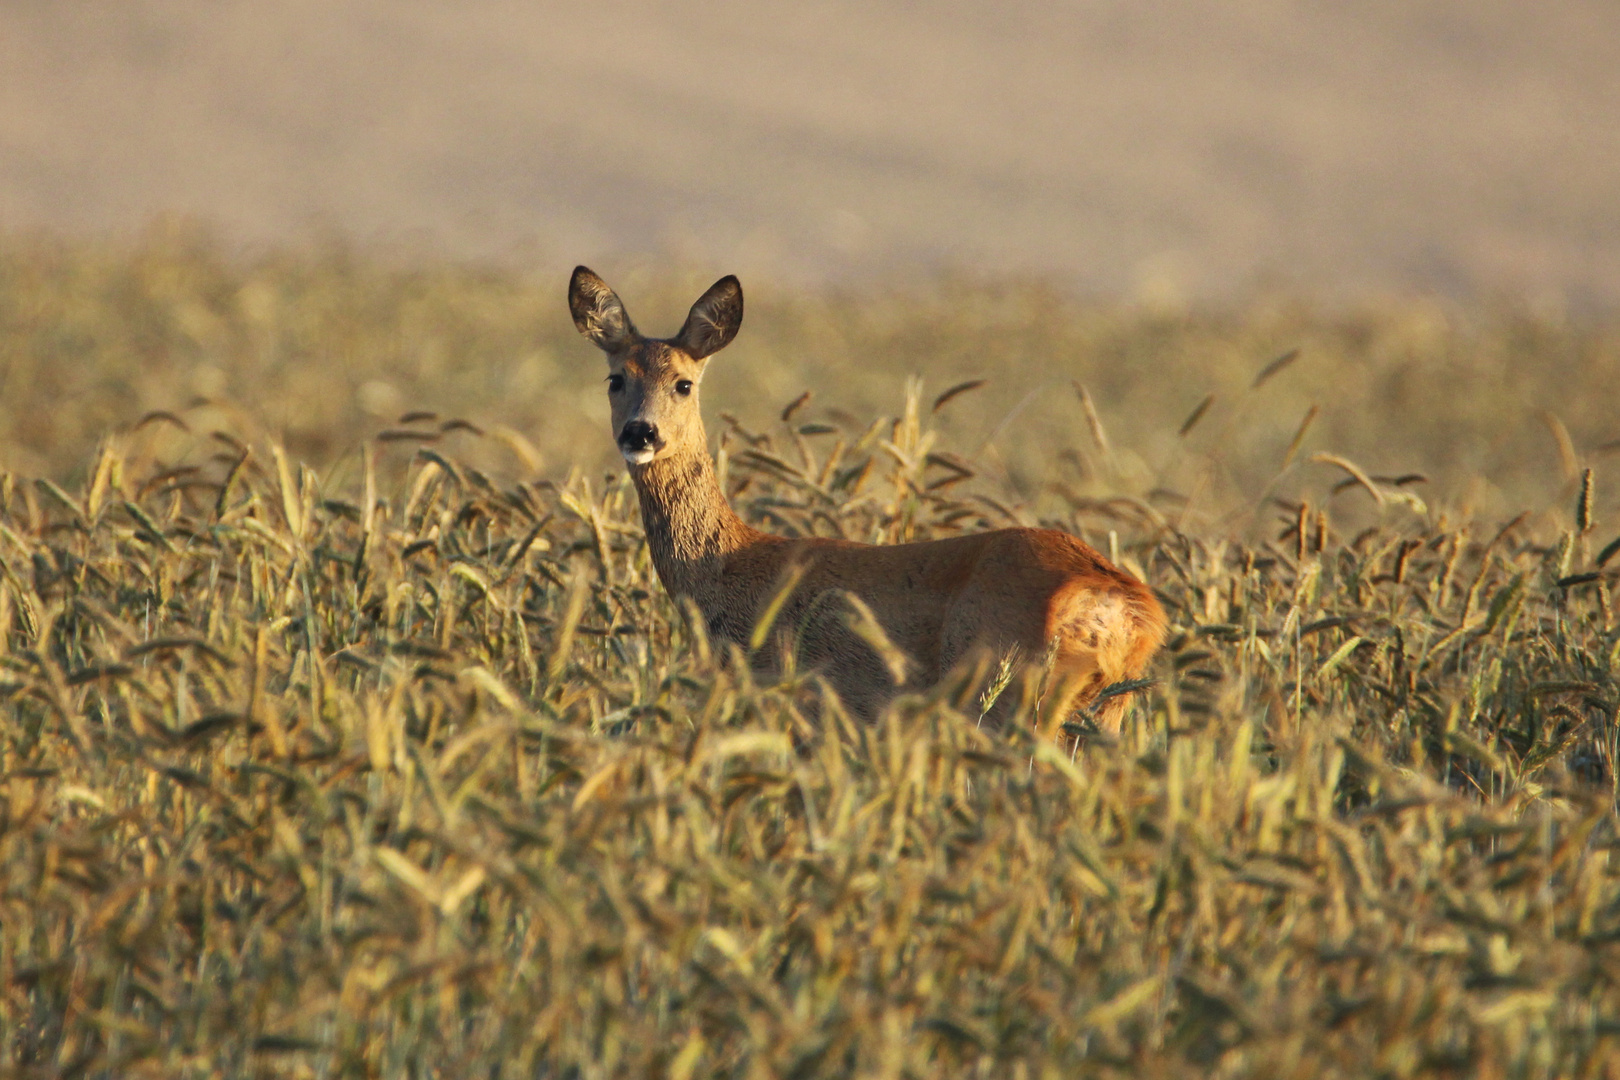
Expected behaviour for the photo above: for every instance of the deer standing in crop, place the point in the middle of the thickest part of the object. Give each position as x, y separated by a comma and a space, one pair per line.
1036, 594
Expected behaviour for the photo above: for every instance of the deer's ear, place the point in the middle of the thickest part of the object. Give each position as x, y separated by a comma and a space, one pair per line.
714, 320
598, 312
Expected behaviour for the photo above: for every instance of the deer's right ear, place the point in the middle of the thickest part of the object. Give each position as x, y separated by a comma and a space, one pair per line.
714, 319
598, 313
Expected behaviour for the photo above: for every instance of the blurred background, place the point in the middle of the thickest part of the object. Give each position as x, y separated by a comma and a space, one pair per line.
1450, 145
362, 206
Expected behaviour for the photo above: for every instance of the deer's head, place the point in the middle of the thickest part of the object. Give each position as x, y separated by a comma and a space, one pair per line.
652, 383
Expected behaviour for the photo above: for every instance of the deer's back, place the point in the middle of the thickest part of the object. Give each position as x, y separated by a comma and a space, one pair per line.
935, 599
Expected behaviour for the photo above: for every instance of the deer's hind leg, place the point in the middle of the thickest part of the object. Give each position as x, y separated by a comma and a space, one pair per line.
1049, 686
1069, 682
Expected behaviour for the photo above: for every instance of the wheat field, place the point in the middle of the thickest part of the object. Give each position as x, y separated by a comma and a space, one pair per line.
348, 733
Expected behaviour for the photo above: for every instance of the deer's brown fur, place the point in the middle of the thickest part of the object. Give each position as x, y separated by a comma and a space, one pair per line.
1038, 594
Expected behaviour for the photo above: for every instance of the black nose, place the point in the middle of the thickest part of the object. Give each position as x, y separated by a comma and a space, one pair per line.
638, 435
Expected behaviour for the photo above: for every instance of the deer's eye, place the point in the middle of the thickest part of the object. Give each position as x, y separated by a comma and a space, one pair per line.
615, 383
683, 387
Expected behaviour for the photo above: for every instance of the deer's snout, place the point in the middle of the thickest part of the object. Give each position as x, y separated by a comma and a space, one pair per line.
638, 437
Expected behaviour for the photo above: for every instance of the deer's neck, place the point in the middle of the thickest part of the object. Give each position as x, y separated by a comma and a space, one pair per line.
690, 526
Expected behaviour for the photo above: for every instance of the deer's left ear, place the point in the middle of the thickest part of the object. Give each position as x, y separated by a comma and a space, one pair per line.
597, 311
714, 320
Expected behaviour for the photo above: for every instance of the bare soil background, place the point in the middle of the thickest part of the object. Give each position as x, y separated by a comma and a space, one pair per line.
1469, 149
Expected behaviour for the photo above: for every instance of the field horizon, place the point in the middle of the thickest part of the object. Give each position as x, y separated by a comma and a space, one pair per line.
326, 345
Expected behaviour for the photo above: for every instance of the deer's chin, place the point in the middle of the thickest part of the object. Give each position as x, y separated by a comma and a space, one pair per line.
639, 457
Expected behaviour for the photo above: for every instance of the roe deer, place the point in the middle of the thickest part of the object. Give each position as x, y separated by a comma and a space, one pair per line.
1038, 594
